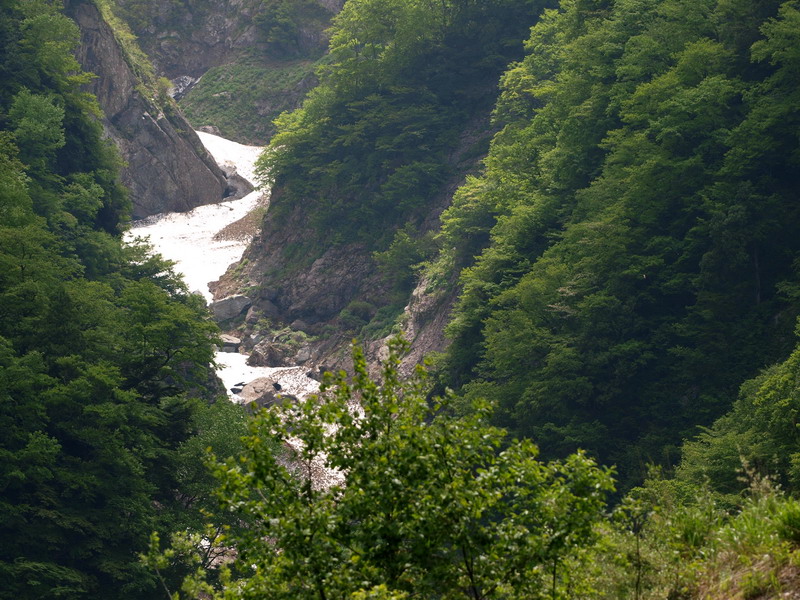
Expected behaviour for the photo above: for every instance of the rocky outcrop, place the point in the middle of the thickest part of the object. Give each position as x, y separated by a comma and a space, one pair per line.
312, 293
281, 351
309, 301
264, 391
269, 354
167, 168
237, 186
184, 40
230, 307
423, 323
308, 294
230, 343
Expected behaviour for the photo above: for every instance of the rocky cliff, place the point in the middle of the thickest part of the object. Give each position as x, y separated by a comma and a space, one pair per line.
167, 168
234, 64
311, 301
186, 39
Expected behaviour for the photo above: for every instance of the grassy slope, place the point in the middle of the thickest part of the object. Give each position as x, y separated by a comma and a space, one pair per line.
243, 98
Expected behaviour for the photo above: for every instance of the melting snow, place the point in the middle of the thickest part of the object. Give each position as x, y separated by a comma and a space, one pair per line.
234, 370
188, 239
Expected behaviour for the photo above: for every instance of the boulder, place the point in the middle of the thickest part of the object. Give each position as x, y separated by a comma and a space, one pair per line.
230, 307
264, 391
299, 325
230, 343
212, 129
268, 354
318, 373
256, 338
268, 308
238, 186
253, 316
303, 356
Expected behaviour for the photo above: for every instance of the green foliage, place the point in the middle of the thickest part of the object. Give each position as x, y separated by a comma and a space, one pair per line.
226, 96
281, 23
38, 129
400, 262
757, 437
673, 540
384, 495
194, 540
137, 60
356, 314
101, 346
368, 149
631, 256
635, 227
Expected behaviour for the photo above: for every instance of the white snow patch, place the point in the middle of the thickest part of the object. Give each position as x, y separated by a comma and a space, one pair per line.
188, 238
234, 370
232, 153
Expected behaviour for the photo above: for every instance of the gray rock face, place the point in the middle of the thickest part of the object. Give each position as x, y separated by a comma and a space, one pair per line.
167, 167
253, 316
264, 391
212, 129
312, 295
188, 38
269, 354
181, 85
237, 186
229, 307
230, 343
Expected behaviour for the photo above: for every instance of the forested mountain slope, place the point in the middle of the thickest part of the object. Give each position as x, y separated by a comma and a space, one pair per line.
103, 352
628, 254
636, 223
372, 158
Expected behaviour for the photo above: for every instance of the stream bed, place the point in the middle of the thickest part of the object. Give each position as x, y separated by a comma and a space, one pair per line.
201, 256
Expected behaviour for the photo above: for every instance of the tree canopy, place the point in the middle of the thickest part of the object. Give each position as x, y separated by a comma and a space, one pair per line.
368, 148
631, 241
376, 492
103, 352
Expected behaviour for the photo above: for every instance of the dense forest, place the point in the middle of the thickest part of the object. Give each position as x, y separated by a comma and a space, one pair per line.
399, 82
104, 355
641, 217
630, 245
628, 253
616, 413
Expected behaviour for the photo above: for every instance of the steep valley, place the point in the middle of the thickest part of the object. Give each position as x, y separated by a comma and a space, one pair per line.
564, 234
407, 198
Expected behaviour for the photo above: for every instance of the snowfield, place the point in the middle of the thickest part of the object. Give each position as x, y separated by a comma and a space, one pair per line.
190, 239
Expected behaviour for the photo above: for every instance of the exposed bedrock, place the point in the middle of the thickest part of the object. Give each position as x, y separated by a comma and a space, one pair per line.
167, 168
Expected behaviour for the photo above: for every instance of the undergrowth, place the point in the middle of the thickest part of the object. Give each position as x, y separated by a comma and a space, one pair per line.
242, 99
